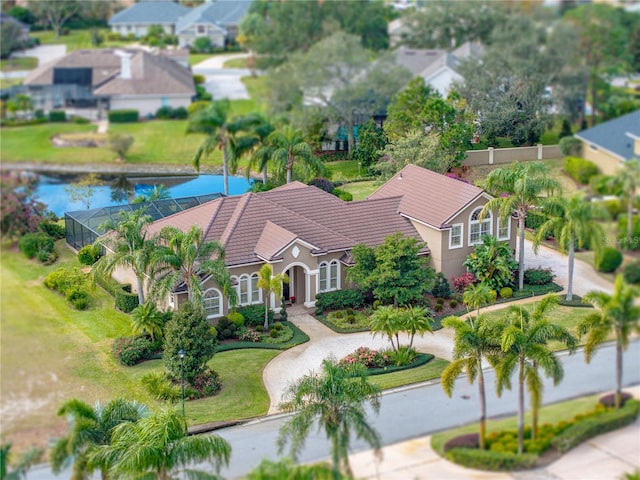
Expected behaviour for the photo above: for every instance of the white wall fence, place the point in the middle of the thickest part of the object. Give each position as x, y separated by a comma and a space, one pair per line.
498, 156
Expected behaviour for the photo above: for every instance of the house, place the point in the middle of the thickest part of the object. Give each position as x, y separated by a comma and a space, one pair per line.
89, 82
612, 143
216, 19
308, 234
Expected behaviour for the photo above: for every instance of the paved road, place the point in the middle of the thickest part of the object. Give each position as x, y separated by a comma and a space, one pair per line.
223, 82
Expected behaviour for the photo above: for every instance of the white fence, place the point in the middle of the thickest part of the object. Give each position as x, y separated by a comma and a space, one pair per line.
497, 156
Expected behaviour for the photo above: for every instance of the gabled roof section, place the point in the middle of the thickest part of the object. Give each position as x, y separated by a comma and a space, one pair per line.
427, 196
221, 13
272, 240
200, 216
150, 13
418, 60
615, 136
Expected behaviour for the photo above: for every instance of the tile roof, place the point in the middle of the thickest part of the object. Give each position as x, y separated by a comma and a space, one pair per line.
427, 196
150, 13
615, 136
272, 240
220, 13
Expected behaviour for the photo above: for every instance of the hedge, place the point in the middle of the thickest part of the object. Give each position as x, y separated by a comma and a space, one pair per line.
487, 460
125, 300
421, 359
123, 116
592, 427
338, 300
579, 169
57, 116
608, 259
626, 243
31, 244
254, 315
632, 273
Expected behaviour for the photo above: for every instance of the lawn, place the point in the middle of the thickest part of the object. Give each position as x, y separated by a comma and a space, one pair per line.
429, 371
77, 39
361, 190
18, 63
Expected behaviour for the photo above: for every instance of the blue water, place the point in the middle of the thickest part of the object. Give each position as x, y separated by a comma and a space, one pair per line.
54, 192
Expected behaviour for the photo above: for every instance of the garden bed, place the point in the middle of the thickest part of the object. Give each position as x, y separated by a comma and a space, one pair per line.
299, 337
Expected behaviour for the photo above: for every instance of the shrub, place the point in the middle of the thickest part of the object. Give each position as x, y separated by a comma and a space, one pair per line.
487, 460
47, 258
78, 297
608, 259
199, 79
207, 383
32, 243
53, 229
613, 207
538, 276
197, 106
453, 303
570, 146
339, 299
438, 307
441, 288
159, 386
123, 116
180, 113
440, 301
278, 326
342, 194
323, 184
254, 315
273, 333
534, 219
506, 292
579, 169
89, 254
202, 94
626, 243
602, 185
223, 322
463, 281
366, 357
202, 45
226, 333
131, 350
80, 120
632, 273
236, 318
164, 113
470, 440
492, 296
403, 356
64, 278
57, 116
125, 300
247, 335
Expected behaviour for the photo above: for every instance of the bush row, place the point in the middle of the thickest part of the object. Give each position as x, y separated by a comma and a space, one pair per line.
579, 169
253, 315
488, 460
132, 350
125, 300
338, 299
72, 283
123, 116
168, 113
38, 245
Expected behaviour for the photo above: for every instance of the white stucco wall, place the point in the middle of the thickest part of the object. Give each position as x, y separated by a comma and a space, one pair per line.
149, 104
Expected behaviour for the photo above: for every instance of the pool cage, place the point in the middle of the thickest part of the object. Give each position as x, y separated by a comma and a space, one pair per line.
84, 226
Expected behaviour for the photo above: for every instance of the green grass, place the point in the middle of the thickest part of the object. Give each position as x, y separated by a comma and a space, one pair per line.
361, 190
236, 63
343, 170
195, 58
548, 414
429, 371
18, 63
77, 39
257, 89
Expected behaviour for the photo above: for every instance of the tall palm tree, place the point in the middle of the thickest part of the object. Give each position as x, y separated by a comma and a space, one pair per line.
185, 257
289, 147
262, 149
476, 295
336, 398
474, 339
572, 221
160, 444
616, 312
386, 320
524, 186
628, 180
130, 246
523, 342
89, 427
270, 283
22, 464
416, 320
146, 319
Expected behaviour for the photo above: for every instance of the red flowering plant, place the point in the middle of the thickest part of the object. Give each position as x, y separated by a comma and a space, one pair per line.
367, 357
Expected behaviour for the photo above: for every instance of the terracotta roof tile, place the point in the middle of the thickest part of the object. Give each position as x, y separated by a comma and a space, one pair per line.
272, 240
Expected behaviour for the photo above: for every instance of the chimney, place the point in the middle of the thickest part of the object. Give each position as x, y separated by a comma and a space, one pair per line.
125, 64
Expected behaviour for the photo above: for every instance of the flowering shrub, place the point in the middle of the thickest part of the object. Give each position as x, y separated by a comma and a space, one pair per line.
463, 281
131, 350
367, 357
207, 383
247, 335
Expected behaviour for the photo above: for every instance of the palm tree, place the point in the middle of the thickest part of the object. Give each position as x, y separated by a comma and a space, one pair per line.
146, 319
262, 148
129, 247
476, 295
572, 221
185, 257
89, 427
336, 398
270, 283
288, 147
416, 320
616, 312
386, 321
23, 463
285, 469
523, 341
473, 340
524, 185
159, 444
628, 180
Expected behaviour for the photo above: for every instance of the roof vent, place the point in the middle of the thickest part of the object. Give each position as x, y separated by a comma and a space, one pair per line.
400, 176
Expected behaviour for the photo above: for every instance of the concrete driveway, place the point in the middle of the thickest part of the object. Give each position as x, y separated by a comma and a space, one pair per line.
44, 53
223, 82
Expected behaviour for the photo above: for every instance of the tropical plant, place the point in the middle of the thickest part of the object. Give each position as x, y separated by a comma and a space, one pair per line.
386, 320
129, 246
184, 257
492, 262
474, 340
516, 190
22, 465
523, 340
476, 295
289, 149
270, 283
617, 312
415, 320
159, 444
146, 319
90, 427
627, 179
262, 148
336, 399
572, 221
286, 469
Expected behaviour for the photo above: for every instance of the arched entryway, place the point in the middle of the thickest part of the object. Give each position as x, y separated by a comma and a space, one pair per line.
298, 289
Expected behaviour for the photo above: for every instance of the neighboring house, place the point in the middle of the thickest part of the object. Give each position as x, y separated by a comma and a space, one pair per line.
24, 28
612, 143
89, 82
308, 234
216, 19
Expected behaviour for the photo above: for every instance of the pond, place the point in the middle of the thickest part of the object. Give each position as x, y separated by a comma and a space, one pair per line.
67, 193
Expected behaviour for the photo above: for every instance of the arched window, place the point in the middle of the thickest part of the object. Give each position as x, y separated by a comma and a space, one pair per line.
247, 289
212, 301
256, 293
477, 227
329, 276
243, 289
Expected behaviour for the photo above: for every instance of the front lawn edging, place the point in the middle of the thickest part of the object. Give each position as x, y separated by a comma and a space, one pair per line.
322, 318
421, 359
488, 460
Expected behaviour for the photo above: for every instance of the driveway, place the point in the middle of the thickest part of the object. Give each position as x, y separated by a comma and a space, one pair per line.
223, 82
44, 53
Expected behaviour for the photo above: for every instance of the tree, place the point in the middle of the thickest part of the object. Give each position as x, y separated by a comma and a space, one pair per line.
476, 295
188, 330
20, 212
492, 262
524, 344
262, 149
517, 189
120, 143
289, 149
415, 148
160, 444
386, 320
406, 109
20, 106
10, 38
146, 319
185, 257
572, 221
395, 272
56, 14
415, 320
474, 340
627, 179
285, 469
616, 312
336, 399
270, 284
371, 141
90, 427
128, 246
22, 465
